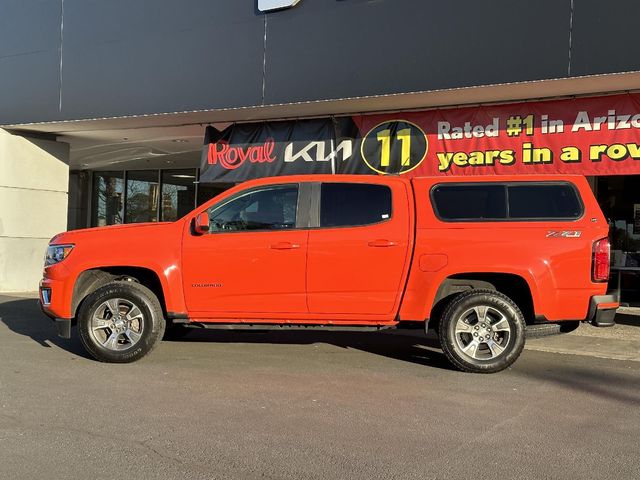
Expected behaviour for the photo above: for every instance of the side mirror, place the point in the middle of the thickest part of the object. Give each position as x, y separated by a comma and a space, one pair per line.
201, 223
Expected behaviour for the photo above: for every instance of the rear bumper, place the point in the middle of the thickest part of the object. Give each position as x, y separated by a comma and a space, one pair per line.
602, 310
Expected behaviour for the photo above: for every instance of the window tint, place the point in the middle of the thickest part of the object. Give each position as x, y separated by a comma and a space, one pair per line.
526, 201
543, 201
470, 202
352, 204
272, 208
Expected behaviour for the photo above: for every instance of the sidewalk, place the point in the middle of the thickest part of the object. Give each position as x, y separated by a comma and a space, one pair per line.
621, 342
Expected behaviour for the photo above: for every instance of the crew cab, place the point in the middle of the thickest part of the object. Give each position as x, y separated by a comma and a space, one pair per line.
479, 259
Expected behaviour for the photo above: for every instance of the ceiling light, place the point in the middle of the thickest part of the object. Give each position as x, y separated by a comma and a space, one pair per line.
183, 176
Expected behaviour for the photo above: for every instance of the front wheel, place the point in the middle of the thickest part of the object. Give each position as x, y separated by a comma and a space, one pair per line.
482, 331
120, 322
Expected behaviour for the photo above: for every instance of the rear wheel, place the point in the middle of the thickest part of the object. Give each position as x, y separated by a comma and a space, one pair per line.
120, 322
482, 331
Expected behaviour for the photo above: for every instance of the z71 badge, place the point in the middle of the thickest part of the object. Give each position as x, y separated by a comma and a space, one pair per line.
564, 234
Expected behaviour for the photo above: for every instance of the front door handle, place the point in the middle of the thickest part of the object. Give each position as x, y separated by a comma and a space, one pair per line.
381, 242
284, 246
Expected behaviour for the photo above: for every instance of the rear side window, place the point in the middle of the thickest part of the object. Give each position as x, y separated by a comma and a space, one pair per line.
540, 201
470, 202
506, 201
354, 204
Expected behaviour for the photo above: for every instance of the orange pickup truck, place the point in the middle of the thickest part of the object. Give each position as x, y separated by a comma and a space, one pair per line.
479, 259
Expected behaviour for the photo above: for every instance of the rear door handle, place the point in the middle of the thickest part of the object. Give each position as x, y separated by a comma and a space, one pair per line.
284, 246
382, 243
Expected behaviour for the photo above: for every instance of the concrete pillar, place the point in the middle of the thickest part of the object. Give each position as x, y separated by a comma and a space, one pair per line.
34, 177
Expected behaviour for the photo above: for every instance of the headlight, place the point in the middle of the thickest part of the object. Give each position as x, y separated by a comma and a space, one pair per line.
56, 253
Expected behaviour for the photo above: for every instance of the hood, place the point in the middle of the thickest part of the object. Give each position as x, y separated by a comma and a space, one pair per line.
109, 231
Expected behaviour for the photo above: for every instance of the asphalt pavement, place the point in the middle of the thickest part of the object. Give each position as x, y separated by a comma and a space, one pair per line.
310, 405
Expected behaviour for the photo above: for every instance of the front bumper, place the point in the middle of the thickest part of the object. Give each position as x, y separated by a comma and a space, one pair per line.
602, 310
63, 325
51, 305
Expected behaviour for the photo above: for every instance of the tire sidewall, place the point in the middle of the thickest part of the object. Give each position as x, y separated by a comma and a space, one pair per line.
492, 299
144, 299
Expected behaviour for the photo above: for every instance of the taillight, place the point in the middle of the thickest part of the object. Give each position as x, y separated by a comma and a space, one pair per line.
601, 254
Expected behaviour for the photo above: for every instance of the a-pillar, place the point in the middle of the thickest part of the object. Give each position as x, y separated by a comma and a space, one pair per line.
34, 179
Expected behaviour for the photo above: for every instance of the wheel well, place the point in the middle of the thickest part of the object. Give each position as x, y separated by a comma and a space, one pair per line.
513, 286
90, 280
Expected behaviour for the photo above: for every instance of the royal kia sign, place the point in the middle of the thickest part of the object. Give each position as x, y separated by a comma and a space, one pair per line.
587, 136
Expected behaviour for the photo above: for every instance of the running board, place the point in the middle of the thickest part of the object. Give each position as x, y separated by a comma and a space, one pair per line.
287, 327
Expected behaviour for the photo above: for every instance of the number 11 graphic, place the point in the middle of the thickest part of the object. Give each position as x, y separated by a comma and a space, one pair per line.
384, 137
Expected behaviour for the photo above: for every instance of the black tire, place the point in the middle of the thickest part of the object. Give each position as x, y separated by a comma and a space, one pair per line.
498, 339
95, 319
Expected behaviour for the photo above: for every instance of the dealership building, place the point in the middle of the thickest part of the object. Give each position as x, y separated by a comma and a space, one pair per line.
127, 111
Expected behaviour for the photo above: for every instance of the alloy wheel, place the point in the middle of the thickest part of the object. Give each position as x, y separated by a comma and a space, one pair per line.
482, 333
117, 324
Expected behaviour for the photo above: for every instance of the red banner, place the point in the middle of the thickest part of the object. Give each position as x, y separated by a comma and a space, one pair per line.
588, 136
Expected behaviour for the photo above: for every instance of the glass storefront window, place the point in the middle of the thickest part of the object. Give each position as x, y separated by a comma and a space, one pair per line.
107, 198
178, 193
206, 191
151, 195
619, 198
142, 196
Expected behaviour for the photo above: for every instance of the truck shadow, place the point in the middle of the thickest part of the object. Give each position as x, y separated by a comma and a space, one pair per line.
23, 316
628, 319
404, 345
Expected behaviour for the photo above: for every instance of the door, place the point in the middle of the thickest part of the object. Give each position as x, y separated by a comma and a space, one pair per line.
252, 261
358, 253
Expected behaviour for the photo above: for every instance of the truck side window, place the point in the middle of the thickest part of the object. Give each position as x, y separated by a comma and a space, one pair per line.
270, 208
354, 204
470, 202
544, 201
513, 201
